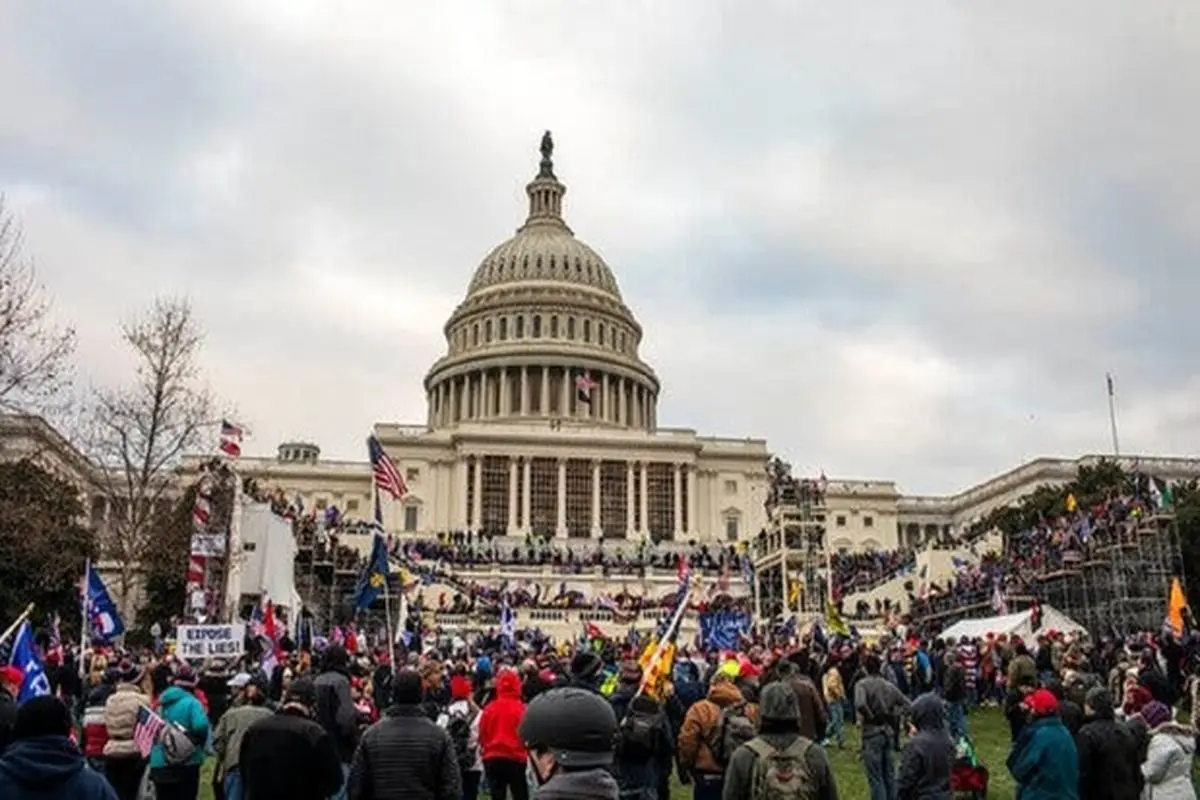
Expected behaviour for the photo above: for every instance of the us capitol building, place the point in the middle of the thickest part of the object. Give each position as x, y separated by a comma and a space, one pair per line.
542, 415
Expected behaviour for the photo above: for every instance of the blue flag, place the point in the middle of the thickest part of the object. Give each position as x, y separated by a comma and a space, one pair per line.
721, 630
103, 618
25, 657
374, 578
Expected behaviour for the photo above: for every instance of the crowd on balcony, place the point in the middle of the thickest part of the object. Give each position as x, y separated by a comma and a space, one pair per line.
853, 572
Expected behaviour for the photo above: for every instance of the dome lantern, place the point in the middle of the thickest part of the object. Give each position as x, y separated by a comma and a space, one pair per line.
545, 193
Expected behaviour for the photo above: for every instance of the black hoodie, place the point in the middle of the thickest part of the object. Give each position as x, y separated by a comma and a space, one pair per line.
928, 757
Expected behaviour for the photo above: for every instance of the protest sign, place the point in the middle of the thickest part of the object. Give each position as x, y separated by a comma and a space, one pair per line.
198, 642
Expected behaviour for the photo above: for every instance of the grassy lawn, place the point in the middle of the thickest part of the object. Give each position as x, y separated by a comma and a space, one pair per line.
988, 730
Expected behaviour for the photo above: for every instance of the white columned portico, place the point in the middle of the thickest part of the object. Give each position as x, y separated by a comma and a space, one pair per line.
596, 532
677, 497
512, 496
477, 500
645, 468
561, 523
630, 530
525, 502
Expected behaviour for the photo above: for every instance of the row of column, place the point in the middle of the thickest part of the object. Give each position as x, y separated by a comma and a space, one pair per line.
520, 472
509, 392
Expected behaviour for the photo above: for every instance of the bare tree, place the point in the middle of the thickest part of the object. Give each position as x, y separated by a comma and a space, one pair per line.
141, 431
35, 354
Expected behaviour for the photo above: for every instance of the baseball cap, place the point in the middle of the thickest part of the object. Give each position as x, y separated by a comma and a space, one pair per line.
239, 681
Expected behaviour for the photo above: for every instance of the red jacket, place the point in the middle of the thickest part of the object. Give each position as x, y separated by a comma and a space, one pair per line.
498, 737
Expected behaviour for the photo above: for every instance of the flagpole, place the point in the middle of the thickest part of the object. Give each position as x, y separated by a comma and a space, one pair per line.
387, 579
24, 616
1112, 414
83, 618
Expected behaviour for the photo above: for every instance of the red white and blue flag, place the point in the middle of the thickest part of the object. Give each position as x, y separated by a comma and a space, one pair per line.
146, 730
387, 477
231, 439
584, 385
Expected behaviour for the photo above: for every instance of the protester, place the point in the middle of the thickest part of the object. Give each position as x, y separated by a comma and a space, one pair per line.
645, 746
461, 722
42, 763
288, 754
703, 754
782, 758
124, 763
1043, 761
503, 752
176, 774
335, 707
928, 757
569, 733
1168, 766
249, 708
405, 754
879, 706
1109, 766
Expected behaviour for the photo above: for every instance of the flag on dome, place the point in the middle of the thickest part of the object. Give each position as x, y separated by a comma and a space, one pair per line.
584, 386
231, 439
387, 477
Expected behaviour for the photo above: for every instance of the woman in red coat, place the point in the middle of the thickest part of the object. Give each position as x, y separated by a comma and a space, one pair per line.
500, 746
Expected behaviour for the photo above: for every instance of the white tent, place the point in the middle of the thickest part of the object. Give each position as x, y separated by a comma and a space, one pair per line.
269, 548
1010, 624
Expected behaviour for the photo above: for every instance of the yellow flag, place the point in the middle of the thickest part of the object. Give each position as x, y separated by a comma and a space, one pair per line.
1072, 504
1175, 607
648, 653
834, 621
656, 674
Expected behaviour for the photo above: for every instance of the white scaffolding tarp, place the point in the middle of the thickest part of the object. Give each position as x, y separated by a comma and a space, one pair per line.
269, 552
1010, 624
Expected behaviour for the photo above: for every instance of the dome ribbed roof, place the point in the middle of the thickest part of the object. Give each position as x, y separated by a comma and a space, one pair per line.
544, 248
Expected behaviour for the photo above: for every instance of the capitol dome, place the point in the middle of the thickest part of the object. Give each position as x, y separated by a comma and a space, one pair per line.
543, 331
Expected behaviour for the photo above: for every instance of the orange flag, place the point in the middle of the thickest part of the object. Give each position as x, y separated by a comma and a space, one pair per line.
1175, 607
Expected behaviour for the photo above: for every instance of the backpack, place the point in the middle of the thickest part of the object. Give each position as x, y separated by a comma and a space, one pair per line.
178, 747
458, 726
640, 733
734, 728
781, 774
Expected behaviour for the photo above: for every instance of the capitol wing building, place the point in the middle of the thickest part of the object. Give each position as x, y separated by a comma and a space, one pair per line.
542, 415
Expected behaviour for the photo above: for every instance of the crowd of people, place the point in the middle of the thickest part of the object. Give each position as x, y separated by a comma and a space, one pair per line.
457, 718
857, 572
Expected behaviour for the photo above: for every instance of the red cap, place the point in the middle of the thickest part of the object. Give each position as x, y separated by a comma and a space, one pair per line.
12, 675
460, 687
1042, 703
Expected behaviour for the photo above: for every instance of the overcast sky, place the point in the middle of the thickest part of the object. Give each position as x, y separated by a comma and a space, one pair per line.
898, 240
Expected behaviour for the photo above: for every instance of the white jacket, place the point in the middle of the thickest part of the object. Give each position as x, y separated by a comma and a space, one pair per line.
463, 708
1168, 765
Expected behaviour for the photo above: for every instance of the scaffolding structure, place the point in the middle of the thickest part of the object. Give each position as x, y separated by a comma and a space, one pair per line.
791, 562
1121, 585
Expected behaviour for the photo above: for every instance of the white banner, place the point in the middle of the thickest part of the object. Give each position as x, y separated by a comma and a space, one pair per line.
208, 544
198, 642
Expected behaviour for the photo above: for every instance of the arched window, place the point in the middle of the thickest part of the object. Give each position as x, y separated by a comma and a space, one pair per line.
520, 328
475, 334
537, 326
570, 327
503, 328
487, 330
554, 327
600, 334
587, 330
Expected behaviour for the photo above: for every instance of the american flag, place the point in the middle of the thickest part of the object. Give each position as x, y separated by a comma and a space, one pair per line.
146, 731
584, 386
231, 439
387, 477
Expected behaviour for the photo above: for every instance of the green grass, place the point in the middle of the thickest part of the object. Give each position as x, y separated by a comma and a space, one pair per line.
989, 731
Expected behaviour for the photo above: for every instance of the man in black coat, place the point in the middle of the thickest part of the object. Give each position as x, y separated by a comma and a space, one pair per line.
288, 754
405, 755
1109, 763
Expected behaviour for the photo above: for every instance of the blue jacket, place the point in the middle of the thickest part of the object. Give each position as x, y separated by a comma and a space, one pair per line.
1044, 762
181, 707
49, 768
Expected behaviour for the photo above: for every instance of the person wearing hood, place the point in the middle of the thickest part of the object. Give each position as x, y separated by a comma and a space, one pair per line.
587, 670
1043, 760
780, 742
645, 745
928, 757
179, 706
1168, 766
405, 754
227, 739
335, 706
1109, 760
288, 754
502, 750
42, 763
698, 733
123, 761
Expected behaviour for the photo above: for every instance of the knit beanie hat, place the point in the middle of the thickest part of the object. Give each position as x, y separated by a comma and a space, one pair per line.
1155, 714
42, 716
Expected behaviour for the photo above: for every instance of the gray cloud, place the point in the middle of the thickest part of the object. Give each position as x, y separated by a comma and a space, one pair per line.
902, 243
